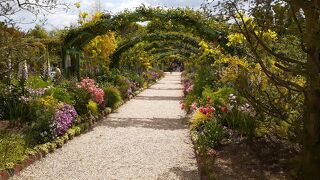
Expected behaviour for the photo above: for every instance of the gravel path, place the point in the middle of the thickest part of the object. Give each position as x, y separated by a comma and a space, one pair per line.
147, 138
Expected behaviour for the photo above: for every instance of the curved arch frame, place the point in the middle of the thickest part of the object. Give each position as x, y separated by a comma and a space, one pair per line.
115, 58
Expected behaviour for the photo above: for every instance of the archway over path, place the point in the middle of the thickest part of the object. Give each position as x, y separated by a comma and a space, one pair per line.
77, 38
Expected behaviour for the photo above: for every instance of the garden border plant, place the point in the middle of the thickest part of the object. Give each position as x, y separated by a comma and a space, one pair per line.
40, 151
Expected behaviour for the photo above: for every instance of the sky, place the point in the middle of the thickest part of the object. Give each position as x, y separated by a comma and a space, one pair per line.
62, 18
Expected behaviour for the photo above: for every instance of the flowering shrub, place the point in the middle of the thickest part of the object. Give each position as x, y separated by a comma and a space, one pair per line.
207, 110
64, 117
187, 88
97, 94
93, 108
48, 102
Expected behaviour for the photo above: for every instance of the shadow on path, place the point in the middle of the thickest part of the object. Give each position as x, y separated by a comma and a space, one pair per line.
158, 98
154, 123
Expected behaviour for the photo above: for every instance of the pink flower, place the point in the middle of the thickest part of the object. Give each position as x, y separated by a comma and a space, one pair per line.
194, 106
97, 94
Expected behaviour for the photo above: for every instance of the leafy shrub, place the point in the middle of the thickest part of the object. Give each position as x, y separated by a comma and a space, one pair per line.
219, 96
109, 77
60, 94
240, 121
112, 96
122, 84
93, 108
12, 149
210, 136
42, 129
36, 82
81, 99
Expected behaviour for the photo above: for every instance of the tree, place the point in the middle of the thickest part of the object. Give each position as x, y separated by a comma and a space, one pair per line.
38, 32
301, 19
10, 8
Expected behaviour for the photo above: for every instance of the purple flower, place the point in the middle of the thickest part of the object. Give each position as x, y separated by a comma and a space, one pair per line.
64, 117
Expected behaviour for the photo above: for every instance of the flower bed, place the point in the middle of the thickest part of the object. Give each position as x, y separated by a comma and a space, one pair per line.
64, 122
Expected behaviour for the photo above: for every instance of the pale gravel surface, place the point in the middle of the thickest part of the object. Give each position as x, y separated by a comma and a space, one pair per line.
147, 138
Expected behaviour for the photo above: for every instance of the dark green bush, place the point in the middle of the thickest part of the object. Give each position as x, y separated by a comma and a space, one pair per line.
80, 98
42, 129
112, 96
121, 83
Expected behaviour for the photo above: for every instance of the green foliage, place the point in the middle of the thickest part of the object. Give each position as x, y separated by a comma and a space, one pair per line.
42, 129
11, 106
112, 97
220, 96
240, 121
122, 84
189, 99
36, 82
60, 94
80, 97
210, 135
12, 149
38, 32
93, 108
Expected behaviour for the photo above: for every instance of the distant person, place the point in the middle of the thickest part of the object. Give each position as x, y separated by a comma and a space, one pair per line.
171, 68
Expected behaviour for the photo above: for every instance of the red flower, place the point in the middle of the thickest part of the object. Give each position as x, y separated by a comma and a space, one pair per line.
182, 106
224, 109
207, 110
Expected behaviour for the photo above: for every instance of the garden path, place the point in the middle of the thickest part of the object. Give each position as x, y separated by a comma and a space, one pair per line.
147, 138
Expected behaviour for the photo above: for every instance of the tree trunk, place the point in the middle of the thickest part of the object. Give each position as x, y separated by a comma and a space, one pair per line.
311, 150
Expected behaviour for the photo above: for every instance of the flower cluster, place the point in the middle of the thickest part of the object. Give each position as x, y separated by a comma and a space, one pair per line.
90, 86
182, 105
247, 108
64, 117
232, 99
207, 110
154, 75
187, 88
194, 106
36, 92
25, 99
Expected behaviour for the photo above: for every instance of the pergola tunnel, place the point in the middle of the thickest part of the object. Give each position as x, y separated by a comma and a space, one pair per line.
225, 91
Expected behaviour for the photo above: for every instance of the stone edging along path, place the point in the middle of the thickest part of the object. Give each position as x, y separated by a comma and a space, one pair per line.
41, 151
146, 138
